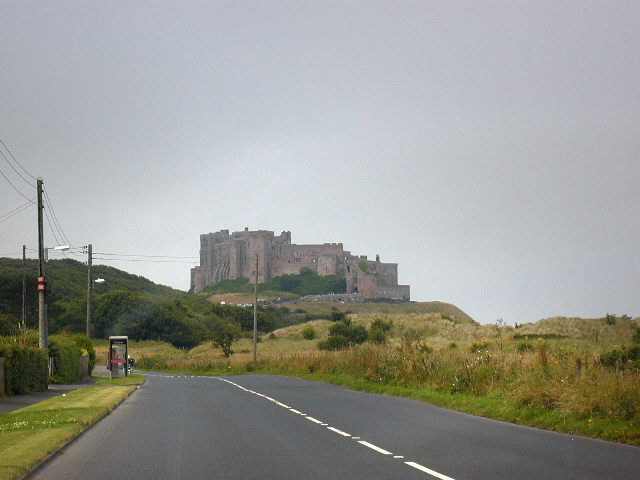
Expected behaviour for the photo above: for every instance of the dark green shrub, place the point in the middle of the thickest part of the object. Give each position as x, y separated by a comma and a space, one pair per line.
377, 336
478, 346
380, 324
627, 358
343, 334
25, 367
525, 347
168, 322
308, 332
378, 331
65, 353
224, 335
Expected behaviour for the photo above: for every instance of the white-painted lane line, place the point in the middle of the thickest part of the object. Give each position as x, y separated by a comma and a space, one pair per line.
373, 447
428, 470
417, 466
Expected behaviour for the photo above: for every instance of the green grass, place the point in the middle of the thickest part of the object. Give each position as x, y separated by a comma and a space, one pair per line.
28, 435
132, 379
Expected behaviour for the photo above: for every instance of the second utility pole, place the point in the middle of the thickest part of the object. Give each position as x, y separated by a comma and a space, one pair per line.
255, 316
89, 289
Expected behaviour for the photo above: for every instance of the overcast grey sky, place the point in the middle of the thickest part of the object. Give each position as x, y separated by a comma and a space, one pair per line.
491, 149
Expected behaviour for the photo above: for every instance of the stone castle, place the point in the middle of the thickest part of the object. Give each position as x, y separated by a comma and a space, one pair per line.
230, 256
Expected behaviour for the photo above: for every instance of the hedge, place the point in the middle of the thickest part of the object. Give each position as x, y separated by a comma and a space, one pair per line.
64, 352
25, 367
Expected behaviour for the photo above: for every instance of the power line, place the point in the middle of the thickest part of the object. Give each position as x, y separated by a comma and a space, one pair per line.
192, 262
14, 168
130, 257
144, 256
14, 187
58, 242
55, 218
18, 163
17, 210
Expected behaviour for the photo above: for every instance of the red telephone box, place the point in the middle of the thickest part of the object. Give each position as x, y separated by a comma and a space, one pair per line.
117, 356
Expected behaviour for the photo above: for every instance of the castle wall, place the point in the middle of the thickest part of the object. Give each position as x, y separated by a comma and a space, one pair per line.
230, 256
394, 291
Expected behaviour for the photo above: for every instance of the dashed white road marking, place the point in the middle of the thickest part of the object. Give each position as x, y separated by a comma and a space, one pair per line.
340, 432
415, 465
373, 447
428, 470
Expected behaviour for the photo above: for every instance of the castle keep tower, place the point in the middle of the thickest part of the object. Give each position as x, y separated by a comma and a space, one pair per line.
230, 256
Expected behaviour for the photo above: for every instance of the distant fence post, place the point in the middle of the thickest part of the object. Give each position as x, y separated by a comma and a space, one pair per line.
2, 377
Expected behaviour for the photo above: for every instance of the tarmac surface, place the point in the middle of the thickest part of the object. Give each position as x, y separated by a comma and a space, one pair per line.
10, 404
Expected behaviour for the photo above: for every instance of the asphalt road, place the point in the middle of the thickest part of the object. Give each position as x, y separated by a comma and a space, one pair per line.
270, 427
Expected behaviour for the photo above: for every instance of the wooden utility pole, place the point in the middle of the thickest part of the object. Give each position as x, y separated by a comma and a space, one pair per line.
89, 288
255, 316
23, 324
43, 324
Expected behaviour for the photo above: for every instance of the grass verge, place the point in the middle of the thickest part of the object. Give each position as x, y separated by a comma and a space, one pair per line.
28, 435
132, 379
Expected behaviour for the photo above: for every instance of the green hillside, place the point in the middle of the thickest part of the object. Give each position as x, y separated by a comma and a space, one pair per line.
67, 293
127, 304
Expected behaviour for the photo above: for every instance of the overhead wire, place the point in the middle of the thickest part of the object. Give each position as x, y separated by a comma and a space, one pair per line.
30, 201
55, 218
14, 187
17, 210
14, 168
18, 163
144, 258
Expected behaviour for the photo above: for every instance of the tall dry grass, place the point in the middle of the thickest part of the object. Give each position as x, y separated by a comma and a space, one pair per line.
431, 351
